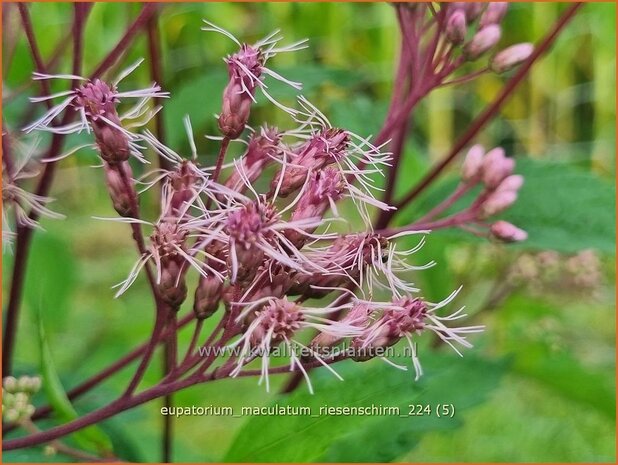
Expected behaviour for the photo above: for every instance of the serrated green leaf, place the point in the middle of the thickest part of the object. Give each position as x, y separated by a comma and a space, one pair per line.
564, 209
561, 207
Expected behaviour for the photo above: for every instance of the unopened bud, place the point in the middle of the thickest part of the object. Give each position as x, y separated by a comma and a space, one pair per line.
456, 27
235, 112
10, 384
324, 188
510, 57
119, 192
262, 149
493, 14
471, 168
245, 70
207, 297
496, 167
172, 288
497, 202
511, 183
507, 232
113, 144
473, 10
29, 384
482, 41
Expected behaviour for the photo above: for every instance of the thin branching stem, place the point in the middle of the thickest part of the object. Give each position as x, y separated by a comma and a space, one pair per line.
492, 110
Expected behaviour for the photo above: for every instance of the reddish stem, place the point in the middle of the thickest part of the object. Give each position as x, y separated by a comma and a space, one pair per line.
148, 10
156, 72
98, 378
24, 235
491, 111
225, 142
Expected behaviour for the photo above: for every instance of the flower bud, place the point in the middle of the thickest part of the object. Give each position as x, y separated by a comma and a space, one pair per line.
172, 287
113, 144
497, 202
496, 167
510, 57
473, 10
482, 41
10, 384
207, 297
507, 232
456, 27
245, 72
262, 149
235, 112
97, 100
493, 14
324, 148
471, 168
511, 183
118, 191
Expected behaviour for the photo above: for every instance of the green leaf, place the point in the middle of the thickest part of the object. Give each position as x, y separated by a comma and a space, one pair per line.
448, 380
561, 207
51, 278
564, 209
89, 438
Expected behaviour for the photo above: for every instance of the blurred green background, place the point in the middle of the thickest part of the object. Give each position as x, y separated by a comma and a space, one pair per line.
539, 384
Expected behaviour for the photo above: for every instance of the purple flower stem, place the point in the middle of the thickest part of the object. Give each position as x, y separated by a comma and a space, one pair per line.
156, 73
103, 375
492, 110
24, 235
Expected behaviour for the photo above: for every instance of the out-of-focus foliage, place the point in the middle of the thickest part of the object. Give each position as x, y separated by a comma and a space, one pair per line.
538, 386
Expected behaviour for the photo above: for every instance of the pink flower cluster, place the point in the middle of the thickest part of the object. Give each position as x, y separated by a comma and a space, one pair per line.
261, 253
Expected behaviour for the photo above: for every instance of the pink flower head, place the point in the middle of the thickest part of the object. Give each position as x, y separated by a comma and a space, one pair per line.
326, 147
247, 69
405, 318
359, 316
96, 102
18, 200
262, 149
254, 234
324, 188
270, 322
